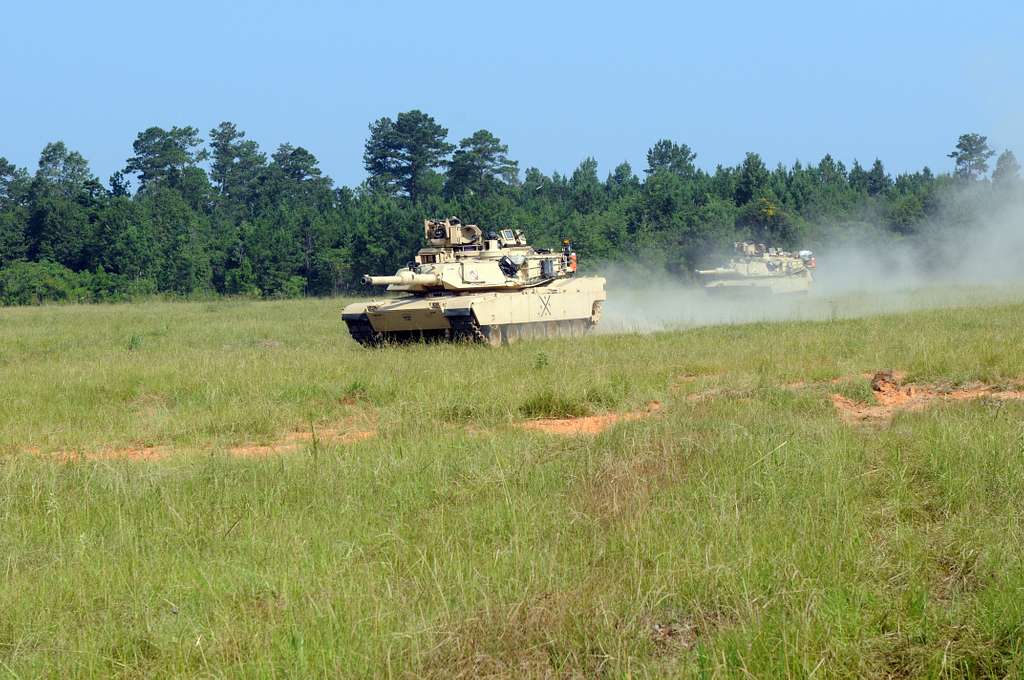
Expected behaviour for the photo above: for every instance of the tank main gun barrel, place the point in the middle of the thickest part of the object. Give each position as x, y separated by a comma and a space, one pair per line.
403, 279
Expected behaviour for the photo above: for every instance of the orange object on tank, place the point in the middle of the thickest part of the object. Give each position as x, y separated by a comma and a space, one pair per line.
572, 262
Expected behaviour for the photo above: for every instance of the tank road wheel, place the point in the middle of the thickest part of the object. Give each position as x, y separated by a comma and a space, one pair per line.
466, 329
362, 332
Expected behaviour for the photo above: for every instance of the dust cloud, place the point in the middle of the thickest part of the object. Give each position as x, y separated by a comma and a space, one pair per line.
974, 260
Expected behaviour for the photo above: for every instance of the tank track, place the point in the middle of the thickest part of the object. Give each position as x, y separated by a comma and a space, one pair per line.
466, 329
363, 333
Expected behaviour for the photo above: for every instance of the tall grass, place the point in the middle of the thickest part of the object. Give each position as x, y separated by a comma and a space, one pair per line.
749, 532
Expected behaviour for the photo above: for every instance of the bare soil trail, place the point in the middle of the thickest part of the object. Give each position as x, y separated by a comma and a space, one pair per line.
587, 425
892, 396
349, 431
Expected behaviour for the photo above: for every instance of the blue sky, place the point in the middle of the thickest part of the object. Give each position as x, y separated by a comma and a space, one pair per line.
556, 81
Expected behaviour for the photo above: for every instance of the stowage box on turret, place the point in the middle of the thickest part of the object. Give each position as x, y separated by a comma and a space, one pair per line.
755, 268
467, 287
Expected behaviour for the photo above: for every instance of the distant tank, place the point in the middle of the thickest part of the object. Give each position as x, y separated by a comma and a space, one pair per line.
493, 290
757, 269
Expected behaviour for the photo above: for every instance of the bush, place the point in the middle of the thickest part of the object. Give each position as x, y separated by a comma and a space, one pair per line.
104, 287
294, 287
33, 283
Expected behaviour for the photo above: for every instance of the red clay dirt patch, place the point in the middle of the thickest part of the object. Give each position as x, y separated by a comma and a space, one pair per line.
587, 425
293, 441
892, 395
144, 453
344, 433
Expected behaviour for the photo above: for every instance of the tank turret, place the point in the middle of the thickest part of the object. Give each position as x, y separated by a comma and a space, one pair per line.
459, 258
494, 288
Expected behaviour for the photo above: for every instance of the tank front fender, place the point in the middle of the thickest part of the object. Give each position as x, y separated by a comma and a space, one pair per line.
354, 311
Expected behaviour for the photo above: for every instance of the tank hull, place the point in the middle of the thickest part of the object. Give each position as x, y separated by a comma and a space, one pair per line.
562, 308
766, 285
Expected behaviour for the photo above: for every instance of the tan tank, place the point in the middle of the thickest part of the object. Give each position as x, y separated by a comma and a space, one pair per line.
757, 269
464, 286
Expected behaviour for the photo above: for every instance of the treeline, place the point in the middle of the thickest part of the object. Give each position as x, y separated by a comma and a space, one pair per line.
192, 216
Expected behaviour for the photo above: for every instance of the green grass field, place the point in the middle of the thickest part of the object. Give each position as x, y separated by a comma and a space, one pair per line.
742, 530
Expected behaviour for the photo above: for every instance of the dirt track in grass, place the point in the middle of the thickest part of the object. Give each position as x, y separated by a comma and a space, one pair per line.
889, 391
587, 425
333, 434
891, 395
